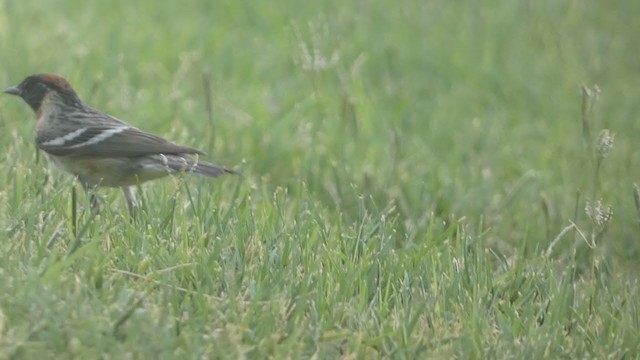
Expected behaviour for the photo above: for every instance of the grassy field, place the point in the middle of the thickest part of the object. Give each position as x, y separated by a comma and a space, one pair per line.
421, 179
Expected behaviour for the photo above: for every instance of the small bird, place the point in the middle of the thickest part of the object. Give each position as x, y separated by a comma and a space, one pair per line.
97, 148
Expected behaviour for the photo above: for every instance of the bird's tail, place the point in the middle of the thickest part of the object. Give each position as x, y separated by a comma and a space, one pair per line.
211, 170
187, 164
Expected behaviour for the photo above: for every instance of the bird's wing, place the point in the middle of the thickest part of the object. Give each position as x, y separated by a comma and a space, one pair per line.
110, 139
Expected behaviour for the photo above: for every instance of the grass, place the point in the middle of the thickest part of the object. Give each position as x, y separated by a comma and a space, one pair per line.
421, 179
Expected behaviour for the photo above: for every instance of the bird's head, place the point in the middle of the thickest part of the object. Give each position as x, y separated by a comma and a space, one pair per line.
36, 88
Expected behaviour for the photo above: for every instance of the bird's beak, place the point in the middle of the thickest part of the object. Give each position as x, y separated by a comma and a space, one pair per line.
14, 90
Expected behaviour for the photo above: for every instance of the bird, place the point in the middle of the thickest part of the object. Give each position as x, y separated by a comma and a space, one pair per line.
99, 149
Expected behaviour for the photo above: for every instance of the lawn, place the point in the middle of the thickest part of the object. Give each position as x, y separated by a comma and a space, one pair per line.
420, 179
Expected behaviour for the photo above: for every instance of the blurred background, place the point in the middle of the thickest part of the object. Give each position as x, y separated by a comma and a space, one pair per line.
419, 176
440, 109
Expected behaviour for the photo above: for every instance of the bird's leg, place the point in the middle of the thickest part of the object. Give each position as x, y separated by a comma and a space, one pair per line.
132, 203
94, 200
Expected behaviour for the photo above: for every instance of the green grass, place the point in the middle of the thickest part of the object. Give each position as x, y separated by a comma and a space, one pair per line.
415, 181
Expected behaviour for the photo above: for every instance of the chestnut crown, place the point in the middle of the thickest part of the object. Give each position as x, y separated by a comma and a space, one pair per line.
36, 87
